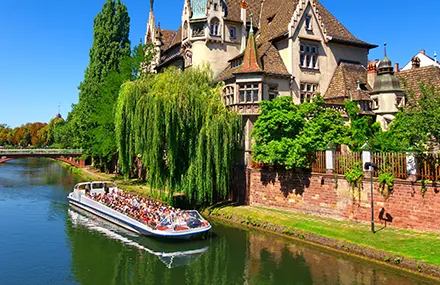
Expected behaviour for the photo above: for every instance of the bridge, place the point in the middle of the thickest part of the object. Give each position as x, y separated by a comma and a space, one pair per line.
70, 156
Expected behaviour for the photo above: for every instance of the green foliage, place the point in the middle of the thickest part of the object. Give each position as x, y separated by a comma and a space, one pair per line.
91, 124
176, 124
287, 134
417, 125
424, 187
386, 181
28, 135
355, 175
363, 128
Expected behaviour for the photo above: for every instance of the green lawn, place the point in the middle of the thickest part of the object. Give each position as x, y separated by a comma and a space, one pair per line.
421, 246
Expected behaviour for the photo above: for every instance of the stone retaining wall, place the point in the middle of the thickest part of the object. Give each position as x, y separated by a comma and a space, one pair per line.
411, 205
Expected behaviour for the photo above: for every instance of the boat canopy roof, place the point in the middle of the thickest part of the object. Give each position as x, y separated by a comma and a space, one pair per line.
95, 184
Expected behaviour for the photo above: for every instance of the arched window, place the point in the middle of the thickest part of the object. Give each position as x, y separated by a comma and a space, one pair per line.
215, 27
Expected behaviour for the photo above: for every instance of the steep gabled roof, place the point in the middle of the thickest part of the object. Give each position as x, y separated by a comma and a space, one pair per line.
251, 60
275, 18
412, 78
271, 63
253, 6
344, 84
177, 38
337, 31
166, 37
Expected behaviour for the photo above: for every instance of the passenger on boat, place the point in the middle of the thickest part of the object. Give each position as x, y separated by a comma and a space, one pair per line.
153, 213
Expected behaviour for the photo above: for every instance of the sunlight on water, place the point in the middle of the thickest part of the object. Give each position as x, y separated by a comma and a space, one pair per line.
45, 241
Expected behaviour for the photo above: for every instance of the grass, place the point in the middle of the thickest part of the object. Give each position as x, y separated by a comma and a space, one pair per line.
406, 243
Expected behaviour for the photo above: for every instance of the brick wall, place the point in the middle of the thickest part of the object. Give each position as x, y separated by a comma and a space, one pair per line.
331, 196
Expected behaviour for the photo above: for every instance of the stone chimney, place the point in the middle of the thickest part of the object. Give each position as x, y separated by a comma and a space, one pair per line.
415, 62
243, 18
372, 73
396, 67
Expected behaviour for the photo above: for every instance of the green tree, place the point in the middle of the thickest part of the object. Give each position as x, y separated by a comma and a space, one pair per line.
288, 135
111, 46
176, 125
417, 125
103, 135
362, 128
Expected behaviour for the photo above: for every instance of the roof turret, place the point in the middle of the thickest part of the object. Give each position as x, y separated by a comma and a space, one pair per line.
251, 60
386, 82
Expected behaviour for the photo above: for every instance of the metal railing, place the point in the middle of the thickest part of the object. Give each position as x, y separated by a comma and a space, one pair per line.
24, 151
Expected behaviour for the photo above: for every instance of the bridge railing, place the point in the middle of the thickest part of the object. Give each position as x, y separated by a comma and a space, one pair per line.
5, 152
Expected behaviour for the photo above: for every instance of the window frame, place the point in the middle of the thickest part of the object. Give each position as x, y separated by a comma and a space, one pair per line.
307, 93
214, 27
229, 95
273, 92
233, 33
309, 56
248, 92
308, 23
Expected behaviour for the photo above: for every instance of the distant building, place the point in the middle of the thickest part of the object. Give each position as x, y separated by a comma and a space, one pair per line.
380, 89
421, 60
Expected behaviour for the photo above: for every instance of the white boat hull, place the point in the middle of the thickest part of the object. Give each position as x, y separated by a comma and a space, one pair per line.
128, 223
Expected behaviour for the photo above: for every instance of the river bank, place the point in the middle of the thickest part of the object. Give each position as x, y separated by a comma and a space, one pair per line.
409, 250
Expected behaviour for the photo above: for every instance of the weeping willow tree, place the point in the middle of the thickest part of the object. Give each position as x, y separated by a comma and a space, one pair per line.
176, 124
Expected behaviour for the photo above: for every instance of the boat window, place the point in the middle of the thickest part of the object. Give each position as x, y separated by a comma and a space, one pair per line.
97, 185
81, 186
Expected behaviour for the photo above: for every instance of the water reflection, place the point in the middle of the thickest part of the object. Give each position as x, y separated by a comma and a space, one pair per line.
172, 255
280, 261
230, 256
44, 241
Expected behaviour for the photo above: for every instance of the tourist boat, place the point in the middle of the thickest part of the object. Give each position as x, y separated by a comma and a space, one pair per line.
194, 226
172, 254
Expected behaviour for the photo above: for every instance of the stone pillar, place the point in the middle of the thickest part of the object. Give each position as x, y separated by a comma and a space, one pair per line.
330, 158
366, 157
411, 166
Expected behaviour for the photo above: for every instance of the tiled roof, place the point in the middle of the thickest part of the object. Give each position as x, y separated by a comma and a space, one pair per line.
170, 39
275, 18
167, 37
251, 59
177, 38
270, 59
336, 30
344, 84
412, 78
227, 73
253, 6
272, 17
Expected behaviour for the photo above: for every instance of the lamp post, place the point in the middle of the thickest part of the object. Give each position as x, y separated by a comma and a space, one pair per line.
371, 167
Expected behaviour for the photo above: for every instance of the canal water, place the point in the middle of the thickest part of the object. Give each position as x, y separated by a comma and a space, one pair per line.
44, 241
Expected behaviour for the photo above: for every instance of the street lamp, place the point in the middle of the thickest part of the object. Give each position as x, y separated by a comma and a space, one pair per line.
371, 167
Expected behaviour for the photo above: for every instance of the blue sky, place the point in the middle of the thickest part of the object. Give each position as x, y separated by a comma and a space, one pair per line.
45, 44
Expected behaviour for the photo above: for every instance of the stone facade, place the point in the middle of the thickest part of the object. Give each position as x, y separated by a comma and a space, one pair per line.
330, 195
297, 46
